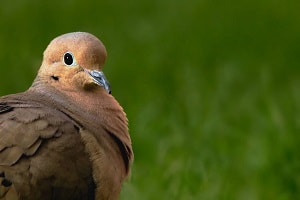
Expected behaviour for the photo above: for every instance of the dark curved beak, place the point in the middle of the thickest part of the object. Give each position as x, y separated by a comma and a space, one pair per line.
100, 79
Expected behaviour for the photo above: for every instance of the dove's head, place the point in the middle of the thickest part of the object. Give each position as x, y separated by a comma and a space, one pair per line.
74, 60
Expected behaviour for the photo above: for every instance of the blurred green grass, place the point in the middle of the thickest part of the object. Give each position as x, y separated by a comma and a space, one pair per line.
211, 88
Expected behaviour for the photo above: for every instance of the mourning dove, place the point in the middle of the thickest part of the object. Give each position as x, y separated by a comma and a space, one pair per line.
66, 137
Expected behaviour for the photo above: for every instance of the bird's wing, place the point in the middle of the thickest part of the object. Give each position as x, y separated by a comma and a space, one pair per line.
40, 148
23, 127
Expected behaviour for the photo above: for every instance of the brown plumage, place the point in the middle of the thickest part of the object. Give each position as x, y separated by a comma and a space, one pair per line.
66, 137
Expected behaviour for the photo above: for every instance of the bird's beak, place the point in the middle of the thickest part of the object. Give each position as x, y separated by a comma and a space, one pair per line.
99, 78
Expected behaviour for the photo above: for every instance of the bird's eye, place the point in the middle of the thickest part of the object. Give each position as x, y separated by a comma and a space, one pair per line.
69, 59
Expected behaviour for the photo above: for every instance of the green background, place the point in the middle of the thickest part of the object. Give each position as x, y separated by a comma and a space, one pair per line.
211, 87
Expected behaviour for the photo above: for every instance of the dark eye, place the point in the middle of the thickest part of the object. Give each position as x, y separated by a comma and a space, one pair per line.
69, 59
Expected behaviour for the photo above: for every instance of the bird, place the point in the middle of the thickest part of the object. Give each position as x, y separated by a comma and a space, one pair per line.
66, 136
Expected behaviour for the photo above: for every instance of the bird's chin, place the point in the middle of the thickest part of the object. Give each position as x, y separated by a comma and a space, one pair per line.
88, 86
83, 81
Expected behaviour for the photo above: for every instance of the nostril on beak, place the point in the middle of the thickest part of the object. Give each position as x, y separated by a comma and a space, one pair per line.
100, 79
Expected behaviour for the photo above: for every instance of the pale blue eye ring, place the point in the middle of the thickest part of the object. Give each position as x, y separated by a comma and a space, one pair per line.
69, 59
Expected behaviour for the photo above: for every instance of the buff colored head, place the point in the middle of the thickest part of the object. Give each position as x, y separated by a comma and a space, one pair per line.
74, 60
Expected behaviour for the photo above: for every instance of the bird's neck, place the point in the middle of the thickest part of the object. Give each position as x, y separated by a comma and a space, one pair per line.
94, 106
